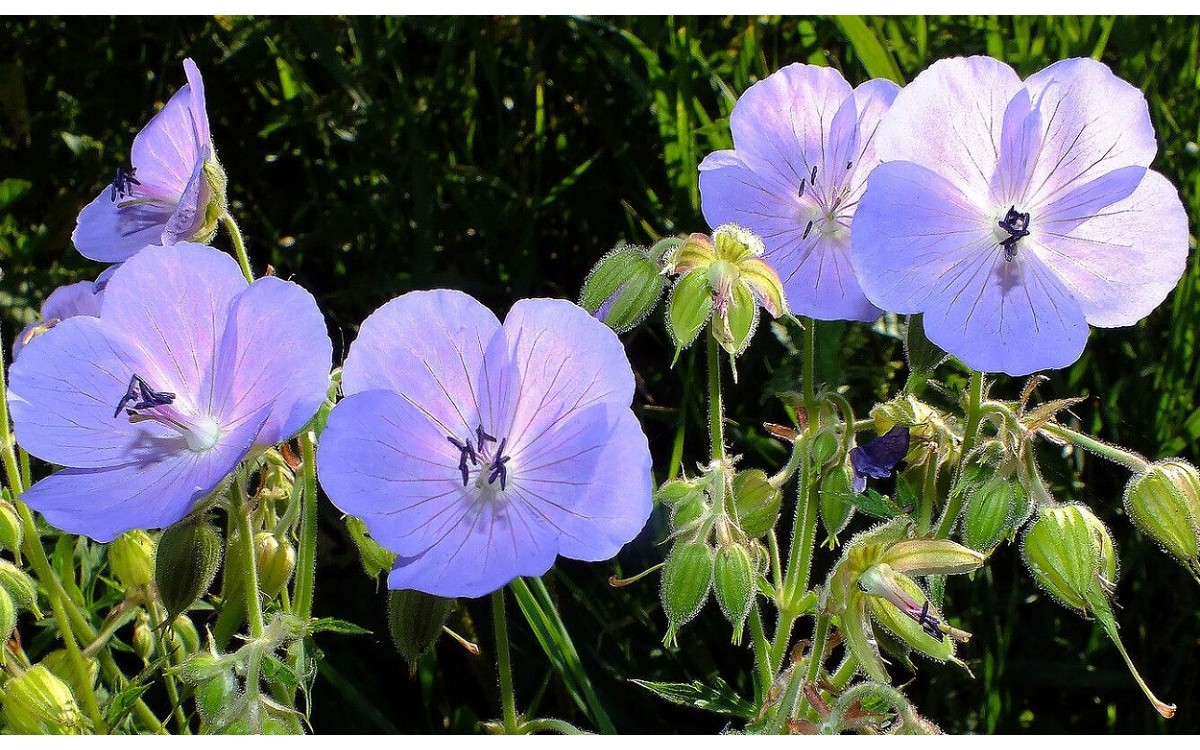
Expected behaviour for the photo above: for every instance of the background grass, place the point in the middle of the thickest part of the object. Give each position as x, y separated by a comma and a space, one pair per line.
503, 156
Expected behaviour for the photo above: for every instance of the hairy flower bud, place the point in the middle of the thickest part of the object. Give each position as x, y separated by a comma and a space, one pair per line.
20, 587
756, 501
8, 616
144, 640
189, 554
12, 533
734, 586
415, 620
59, 662
1071, 555
623, 288
276, 560
687, 500
834, 495
38, 702
990, 511
824, 447
131, 558
1164, 502
686, 580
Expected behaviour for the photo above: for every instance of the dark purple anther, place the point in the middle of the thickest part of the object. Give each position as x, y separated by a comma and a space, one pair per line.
466, 451
1017, 226
123, 183
849, 164
802, 184
498, 468
929, 623
813, 177
142, 396
482, 437
807, 229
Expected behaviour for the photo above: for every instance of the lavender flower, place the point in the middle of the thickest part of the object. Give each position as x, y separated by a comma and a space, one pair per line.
804, 143
174, 190
1012, 214
155, 401
80, 298
478, 452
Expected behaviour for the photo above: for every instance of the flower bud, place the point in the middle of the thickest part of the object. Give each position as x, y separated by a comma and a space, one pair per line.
824, 446
1164, 502
276, 560
217, 184
687, 500
734, 586
686, 579
1071, 555
144, 640
59, 662
12, 533
131, 558
184, 636
756, 501
37, 702
8, 616
990, 511
20, 587
623, 288
189, 554
415, 620
689, 307
835, 506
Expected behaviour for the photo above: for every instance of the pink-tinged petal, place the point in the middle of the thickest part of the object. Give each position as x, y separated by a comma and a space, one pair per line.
429, 347
478, 552
950, 119
1122, 261
172, 304
819, 278
565, 361
588, 478
914, 233
1020, 145
189, 214
1094, 121
63, 392
103, 503
1006, 316
781, 124
107, 232
275, 351
167, 150
383, 460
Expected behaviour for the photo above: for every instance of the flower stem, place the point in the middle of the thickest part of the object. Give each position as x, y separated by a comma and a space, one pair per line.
974, 412
762, 654
239, 245
508, 698
1117, 455
241, 511
306, 555
716, 413
79, 669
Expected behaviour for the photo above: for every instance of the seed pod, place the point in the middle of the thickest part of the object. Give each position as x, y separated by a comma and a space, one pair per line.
189, 554
276, 560
1164, 502
1071, 555
835, 494
415, 620
144, 641
8, 616
734, 586
686, 580
757, 502
824, 447
12, 533
20, 587
37, 702
131, 557
989, 513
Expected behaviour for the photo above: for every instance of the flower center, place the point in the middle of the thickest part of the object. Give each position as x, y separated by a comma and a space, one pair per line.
123, 182
1016, 224
822, 210
141, 403
492, 463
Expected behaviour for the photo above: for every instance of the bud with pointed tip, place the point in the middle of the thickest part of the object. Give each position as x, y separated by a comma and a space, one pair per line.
276, 560
8, 616
686, 580
189, 554
1164, 502
20, 587
834, 501
131, 558
734, 586
38, 702
144, 640
756, 501
990, 511
12, 532
415, 620
624, 287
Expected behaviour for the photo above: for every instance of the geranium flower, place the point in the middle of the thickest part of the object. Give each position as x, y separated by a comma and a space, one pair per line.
478, 451
173, 192
1012, 214
153, 403
80, 298
877, 458
804, 143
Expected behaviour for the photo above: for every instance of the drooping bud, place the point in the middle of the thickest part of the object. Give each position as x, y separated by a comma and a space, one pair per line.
131, 558
276, 560
756, 501
189, 554
8, 616
835, 504
145, 643
12, 533
38, 702
1164, 502
686, 580
20, 587
623, 288
990, 511
1071, 555
415, 620
734, 586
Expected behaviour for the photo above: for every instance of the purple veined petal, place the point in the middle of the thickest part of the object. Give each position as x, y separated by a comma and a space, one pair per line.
839, 149
819, 279
1094, 121
588, 478
565, 360
429, 347
1086, 200
733, 193
1126, 258
488, 546
189, 213
381, 459
80, 298
1014, 317
275, 352
146, 495
914, 234
1020, 147
108, 233
950, 119
872, 100
63, 392
102, 279
172, 303
176, 139
780, 123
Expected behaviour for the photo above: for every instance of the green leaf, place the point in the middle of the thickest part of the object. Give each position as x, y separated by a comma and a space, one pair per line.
874, 57
875, 504
717, 699
333, 625
11, 191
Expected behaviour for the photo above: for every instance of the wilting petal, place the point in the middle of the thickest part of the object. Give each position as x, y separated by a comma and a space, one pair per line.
1095, 122
1123, 261
276, 352
188, 216
877, 459
103, 503
111, 234
1006, 316
176, 139
950, 119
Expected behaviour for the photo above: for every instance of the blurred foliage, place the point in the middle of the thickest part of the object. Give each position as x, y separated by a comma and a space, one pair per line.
503, 156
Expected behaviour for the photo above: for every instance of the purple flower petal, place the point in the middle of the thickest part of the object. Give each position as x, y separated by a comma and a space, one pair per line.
80, 298
166, 151
110, 234
877, 458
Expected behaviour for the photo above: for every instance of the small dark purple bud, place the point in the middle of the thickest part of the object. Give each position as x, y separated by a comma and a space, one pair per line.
877, 458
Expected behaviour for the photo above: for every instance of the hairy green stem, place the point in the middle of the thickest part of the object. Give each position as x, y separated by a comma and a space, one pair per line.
508, 698
239, 245
1117, 455
82, 677
762, 654
557, 726
241, 520
306, 554
974, 412
716, 412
